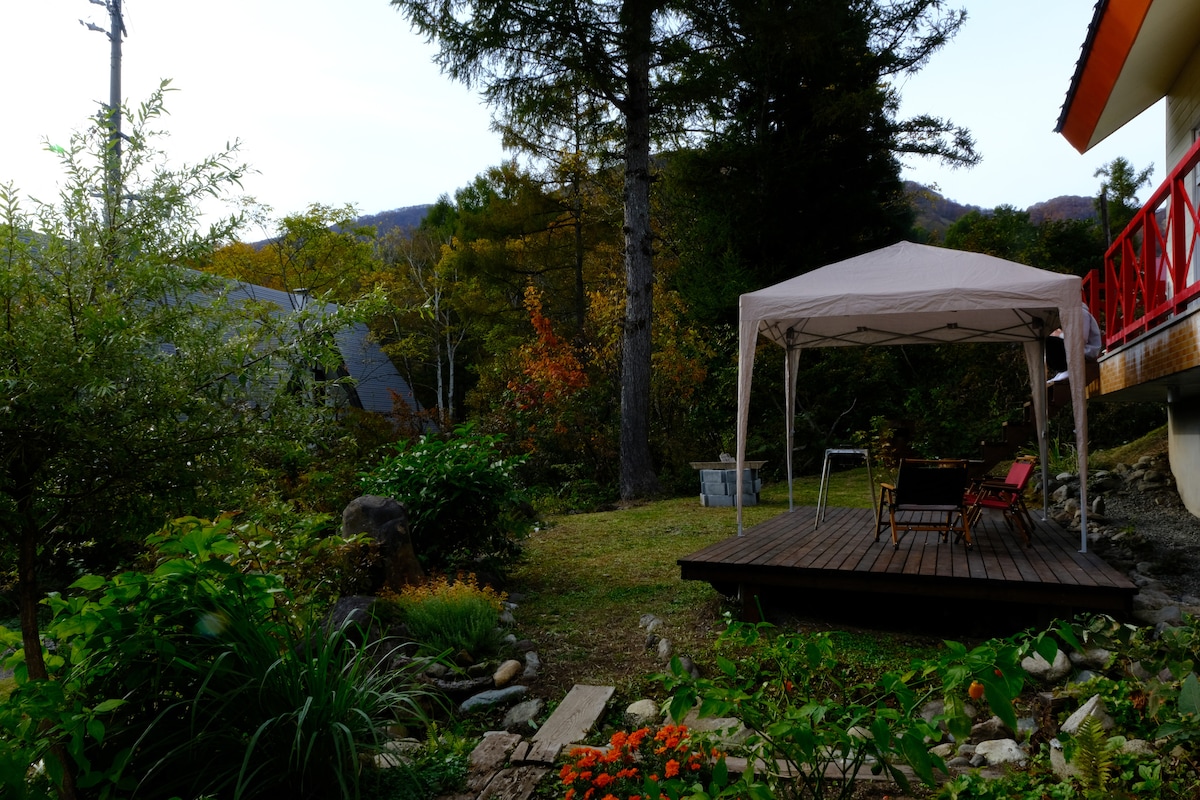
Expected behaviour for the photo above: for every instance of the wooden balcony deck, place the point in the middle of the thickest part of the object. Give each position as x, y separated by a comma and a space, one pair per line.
785, 555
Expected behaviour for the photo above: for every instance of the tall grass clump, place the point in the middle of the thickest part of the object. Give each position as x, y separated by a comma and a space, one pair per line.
458, 616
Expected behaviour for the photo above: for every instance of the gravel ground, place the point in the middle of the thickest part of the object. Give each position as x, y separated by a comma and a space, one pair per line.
1150, 532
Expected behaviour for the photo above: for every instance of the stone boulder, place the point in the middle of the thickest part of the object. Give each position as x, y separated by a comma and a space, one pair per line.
1041, 670
385, 521
1000, 751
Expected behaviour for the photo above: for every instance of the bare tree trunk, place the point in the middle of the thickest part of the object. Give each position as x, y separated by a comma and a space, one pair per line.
637, 471
450, 348
31, 639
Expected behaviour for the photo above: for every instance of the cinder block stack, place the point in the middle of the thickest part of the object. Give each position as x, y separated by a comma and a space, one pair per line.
718, 487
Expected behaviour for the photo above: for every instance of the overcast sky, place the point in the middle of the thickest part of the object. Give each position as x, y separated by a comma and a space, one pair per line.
340, 102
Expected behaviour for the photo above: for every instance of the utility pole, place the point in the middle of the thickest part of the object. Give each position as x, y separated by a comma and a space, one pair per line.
116, 32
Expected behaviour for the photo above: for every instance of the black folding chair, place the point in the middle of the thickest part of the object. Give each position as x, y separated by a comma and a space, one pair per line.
928, 496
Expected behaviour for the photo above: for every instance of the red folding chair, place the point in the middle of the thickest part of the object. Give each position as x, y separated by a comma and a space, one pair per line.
1006, 496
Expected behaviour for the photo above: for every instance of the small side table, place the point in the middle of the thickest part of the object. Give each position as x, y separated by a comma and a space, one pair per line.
842, 453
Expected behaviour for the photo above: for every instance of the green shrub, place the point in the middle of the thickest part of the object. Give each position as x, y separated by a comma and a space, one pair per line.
194, 680
459, 617
465, 509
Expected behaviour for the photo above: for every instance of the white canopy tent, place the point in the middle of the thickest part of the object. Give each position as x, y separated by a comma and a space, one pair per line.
918, 294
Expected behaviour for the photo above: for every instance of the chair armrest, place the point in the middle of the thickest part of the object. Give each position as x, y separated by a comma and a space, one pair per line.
1000, 486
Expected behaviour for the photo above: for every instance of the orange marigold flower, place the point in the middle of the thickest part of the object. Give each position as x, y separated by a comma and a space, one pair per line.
618, 739
569, 795
628, 772
672, 768
603, 779
637, 737
568, 774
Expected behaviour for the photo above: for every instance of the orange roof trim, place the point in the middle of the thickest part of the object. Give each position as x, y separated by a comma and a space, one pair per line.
1115, 28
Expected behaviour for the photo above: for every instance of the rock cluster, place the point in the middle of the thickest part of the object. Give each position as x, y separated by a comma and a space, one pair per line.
494, 685
1137, 523
992, 744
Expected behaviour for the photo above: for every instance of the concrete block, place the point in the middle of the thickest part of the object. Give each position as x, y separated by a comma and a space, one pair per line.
717, 500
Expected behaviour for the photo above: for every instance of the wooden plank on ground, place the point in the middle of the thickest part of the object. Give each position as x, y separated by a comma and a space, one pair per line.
490, 755
514, 783
538, 753
576, 715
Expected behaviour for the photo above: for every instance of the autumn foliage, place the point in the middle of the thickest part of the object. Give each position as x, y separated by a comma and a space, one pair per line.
550, 369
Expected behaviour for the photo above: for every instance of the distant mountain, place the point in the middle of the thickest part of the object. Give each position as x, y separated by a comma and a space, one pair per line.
402, 218
1069, 206
405, 219
936, 213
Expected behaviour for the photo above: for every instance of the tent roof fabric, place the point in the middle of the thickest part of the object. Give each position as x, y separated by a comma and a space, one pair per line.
878, 298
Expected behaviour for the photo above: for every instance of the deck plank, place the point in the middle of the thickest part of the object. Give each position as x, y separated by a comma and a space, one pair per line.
840, 552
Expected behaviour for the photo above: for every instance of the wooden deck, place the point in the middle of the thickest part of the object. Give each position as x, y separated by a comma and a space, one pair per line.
841, 555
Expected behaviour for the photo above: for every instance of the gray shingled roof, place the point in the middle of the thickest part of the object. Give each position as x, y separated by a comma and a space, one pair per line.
375, 377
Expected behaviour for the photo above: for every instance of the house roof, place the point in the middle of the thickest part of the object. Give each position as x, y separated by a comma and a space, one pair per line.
1132, 54
375, 377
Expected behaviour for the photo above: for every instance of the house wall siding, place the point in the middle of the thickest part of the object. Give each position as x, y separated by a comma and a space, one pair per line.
1183, 112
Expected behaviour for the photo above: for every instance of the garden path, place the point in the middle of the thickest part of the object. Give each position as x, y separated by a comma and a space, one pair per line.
504, 766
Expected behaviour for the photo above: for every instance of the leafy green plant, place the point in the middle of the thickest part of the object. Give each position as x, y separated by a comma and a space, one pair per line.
457, 616
464, 505
316, 564
809, 723
194, 679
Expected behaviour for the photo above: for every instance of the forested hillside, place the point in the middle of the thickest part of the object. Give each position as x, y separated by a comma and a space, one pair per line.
936, 213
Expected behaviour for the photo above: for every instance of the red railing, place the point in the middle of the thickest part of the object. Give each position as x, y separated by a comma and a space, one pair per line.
1145, 279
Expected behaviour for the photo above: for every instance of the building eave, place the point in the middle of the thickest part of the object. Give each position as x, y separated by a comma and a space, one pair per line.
1133, 52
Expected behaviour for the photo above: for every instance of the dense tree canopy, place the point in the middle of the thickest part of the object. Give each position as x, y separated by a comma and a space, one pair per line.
783, 120
801, 169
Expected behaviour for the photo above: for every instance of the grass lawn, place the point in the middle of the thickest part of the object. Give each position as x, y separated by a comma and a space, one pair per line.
587, 579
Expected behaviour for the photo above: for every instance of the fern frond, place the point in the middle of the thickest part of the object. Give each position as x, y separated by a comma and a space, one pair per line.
1093, 758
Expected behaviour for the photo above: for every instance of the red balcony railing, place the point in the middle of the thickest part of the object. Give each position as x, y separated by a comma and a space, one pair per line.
1146, 278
